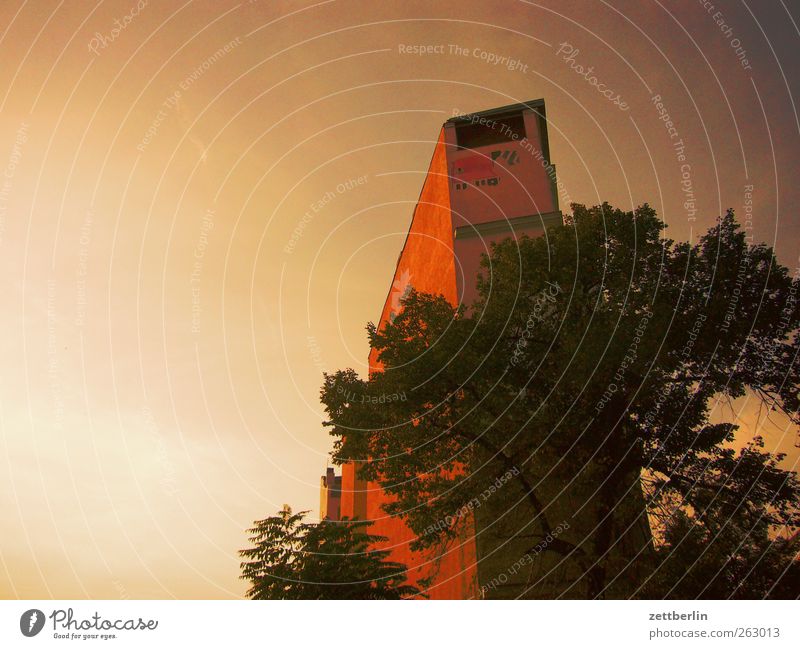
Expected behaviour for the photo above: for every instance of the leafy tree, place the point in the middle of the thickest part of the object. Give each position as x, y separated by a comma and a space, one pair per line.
734, 542
291, 559
588, 369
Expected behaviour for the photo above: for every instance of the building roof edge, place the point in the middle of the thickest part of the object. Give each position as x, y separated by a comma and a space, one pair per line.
533, 104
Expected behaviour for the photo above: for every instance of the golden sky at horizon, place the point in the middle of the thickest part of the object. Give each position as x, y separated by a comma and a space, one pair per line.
166, 327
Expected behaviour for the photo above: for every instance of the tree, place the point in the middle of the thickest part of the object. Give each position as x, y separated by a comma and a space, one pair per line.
588, 369
291, 559
734, 541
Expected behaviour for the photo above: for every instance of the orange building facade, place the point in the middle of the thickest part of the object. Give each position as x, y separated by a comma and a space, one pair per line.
490, 178
330, 496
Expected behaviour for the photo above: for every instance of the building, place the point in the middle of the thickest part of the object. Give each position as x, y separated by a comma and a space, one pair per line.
330, 496
490, 178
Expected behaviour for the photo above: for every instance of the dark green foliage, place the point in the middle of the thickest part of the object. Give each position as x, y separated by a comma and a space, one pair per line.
603, 345
735, 538
291, 559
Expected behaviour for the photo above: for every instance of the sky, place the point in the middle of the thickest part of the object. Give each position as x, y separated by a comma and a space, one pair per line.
202, 205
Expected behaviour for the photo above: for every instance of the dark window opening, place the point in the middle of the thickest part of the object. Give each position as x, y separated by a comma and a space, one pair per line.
492, 131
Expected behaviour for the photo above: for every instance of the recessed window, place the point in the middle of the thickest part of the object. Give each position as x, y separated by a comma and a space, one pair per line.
493, 130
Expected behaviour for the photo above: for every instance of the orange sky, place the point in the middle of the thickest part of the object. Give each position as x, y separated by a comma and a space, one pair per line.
200, 211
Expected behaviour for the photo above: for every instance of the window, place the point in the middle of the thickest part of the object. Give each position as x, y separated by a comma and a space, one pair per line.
494, 130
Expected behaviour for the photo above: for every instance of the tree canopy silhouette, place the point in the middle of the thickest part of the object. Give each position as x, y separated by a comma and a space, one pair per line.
593, 363
291, 559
